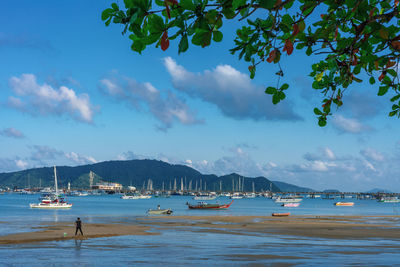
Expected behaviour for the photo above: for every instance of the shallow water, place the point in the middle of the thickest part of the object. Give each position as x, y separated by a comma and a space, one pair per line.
181, 247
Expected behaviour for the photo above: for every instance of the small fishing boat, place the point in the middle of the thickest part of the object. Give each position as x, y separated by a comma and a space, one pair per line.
205, 205
281, 214
290, 205
159, 211
346, 204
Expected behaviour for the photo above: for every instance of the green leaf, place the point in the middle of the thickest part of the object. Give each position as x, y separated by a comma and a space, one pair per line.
155, 24
322, 122
270, 90
281, 95
317, 111
383, 90
396, 97
115, 6
372, 80
392, 72
187, 4
392, 113
284, 86
217, 36
183, 44
276, 98
238, 3
267, 4
106, 13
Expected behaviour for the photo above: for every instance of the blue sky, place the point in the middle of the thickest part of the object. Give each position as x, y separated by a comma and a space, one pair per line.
72, 92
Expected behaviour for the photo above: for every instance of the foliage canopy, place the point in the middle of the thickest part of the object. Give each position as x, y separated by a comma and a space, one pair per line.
357, 37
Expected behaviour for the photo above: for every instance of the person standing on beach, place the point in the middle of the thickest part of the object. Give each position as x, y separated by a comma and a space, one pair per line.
78, 224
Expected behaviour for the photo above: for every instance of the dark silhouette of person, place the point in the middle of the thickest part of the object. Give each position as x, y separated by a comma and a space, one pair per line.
78, 224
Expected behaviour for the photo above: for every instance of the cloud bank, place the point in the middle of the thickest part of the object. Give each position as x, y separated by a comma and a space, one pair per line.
167, 108
229, 90
43, 99
12, 132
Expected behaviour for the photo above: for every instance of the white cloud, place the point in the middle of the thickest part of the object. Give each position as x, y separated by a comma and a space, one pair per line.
43, 99
166, 108
12, 132
231, 91
80, 159
322, 154
371, 154
21, 164
346, 125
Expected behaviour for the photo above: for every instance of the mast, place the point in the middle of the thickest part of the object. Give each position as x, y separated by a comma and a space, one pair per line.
55, 179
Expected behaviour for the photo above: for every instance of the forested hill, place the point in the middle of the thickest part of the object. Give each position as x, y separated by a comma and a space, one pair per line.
285, 187
136, 173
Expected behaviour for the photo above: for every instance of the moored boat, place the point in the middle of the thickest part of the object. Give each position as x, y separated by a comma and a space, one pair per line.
281, 214
290, 204
135, 196
52, 201
288, 200
159, 211
389, 200
205, 197
205, 205
346, 204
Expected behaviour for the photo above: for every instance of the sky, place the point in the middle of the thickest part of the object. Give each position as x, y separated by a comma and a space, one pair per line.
72, 92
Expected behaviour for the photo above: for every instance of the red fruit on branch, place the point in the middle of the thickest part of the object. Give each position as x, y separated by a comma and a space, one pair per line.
164, 41
288, 47
382, 76
295, 30
271, 56
396, 45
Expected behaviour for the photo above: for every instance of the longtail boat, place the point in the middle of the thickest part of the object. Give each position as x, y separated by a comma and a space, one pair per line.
348, 204
205, 205
277, 214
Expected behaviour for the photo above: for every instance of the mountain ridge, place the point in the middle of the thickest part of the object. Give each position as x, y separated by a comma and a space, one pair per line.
137, 173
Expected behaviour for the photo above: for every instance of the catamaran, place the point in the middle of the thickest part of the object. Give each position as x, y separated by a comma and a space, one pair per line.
52, 201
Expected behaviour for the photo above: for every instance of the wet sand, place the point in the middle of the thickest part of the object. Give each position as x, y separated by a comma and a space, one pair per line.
66, 231
332, 227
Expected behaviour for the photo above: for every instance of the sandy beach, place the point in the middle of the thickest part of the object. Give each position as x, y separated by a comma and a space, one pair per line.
337, 227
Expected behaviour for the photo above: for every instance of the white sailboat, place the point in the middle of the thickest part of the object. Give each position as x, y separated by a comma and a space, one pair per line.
53, 201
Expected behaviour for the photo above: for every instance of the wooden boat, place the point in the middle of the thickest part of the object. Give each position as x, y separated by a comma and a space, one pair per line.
205, 205
281, 214
159, 211
346, 204
290, 205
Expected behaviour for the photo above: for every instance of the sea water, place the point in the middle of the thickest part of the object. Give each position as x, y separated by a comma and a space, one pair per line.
180, 248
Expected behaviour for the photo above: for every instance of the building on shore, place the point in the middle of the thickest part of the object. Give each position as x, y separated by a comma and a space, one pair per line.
107, 186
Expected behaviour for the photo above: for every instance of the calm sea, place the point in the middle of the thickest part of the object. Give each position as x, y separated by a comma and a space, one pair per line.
180, 248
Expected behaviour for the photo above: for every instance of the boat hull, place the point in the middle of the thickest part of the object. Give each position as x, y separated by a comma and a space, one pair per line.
276, 214
290, 205
159, 212
203, 206
344, 204
49, 206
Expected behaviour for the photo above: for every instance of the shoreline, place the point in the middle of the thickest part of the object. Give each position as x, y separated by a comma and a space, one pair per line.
330, 227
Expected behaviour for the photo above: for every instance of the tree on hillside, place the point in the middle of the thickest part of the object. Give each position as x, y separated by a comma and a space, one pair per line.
358, 38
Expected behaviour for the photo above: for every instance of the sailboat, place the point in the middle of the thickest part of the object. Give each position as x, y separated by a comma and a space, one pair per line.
52, 201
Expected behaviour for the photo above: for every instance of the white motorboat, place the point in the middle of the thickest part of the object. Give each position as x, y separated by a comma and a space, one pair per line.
287, 200
52, 201
136, 196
